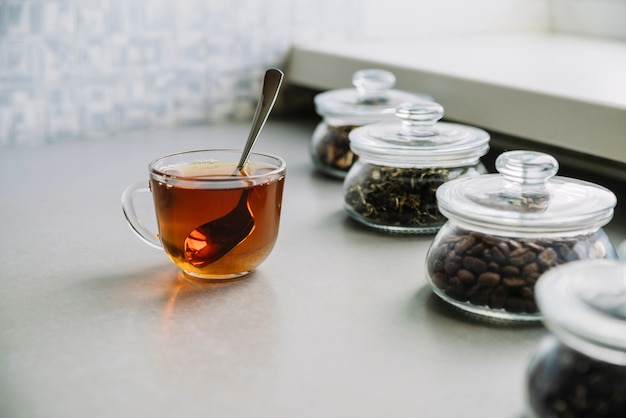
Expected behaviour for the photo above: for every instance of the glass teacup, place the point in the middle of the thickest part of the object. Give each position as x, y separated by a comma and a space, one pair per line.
214, 221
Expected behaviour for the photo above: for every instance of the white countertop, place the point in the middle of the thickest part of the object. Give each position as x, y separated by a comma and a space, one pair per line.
338, 322
559, 90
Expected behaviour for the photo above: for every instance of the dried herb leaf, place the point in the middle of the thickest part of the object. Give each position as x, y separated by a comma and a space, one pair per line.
397, 196
333, 149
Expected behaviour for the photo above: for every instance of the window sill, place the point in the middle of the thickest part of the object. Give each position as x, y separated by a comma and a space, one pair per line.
562, 91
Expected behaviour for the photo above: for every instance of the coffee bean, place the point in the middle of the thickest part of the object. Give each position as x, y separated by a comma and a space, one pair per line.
504, 248
514, 245
535, 246
488, 279
452, 256
475, 265
563, 382
493, 266
522, 256
488, 240
510, 271
530, 269
476, 251
466, 276
450, 268
464, 244
456, 283
513, 282
498, 256
439, 280
489, 270
547, 257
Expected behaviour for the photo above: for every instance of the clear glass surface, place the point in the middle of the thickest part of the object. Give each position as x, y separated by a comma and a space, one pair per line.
579, 369
330, 149
563, 382
526, 196
417, 139
399, 199
584, 303
372, 100
493, 274
401, 164
214, 221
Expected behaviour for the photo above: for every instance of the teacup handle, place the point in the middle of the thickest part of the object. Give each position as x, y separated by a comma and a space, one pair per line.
135, 224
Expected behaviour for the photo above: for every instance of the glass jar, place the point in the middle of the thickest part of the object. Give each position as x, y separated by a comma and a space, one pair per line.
391, 187
579, 368
372, 100
505, 230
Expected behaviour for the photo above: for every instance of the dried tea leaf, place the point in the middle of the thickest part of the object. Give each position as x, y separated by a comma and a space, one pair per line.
397, 196
333, 149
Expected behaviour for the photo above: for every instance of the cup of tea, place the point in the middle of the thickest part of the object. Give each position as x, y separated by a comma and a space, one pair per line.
214, 222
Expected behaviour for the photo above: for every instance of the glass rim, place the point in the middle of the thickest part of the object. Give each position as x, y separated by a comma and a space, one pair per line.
158, 172
582, 303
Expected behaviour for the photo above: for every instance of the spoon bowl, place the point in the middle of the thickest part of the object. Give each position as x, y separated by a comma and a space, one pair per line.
213, 240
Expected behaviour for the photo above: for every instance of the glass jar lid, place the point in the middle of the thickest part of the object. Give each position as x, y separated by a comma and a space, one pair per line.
584, 304
372, 98
526, 196
417, 139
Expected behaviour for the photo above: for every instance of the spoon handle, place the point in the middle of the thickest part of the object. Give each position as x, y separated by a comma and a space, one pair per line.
271, 85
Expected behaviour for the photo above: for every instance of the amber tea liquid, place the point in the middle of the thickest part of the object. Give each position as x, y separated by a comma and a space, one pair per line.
182, 207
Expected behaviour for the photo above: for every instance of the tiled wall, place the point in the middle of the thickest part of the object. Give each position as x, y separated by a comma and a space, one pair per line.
73, 69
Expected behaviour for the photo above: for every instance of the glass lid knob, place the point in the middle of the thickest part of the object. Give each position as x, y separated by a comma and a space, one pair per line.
371, 85
419, 118
527, 167
526, 174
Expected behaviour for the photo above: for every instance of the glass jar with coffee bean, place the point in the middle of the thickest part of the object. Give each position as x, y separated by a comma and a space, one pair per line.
372, 100
579, 368
392, 185
505, 230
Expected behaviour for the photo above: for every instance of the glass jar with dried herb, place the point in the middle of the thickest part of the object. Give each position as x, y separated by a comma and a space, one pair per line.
372, 100
401, 163
579, 368
505, 230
